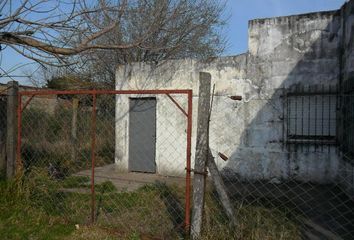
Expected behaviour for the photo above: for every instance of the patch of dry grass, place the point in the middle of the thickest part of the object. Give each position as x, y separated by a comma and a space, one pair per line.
92, 233
36, 207
254, 223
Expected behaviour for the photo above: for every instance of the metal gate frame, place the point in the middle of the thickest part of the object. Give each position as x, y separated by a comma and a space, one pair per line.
94, 93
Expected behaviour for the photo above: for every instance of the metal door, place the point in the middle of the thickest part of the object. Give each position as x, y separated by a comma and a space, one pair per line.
142, 135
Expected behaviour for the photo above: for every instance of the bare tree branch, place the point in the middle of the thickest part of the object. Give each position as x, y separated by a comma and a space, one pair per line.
24, 27
71, 32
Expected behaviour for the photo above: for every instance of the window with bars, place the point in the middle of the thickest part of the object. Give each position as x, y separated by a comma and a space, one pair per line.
311, 116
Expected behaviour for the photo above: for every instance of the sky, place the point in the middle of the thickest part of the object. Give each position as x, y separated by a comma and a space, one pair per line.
239, 12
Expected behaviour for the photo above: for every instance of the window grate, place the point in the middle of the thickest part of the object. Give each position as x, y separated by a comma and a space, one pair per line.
311, 115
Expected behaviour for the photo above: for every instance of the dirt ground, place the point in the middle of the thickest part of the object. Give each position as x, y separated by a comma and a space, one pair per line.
130, 181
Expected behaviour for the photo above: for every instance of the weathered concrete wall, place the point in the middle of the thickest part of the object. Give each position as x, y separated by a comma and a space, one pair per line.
171, 123
346, 173
283, 52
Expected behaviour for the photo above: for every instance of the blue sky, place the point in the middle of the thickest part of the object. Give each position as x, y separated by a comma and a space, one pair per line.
240, 12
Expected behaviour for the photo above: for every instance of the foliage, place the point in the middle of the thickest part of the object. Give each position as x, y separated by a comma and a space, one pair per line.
93, 37
32, 209
46, 138
20, 220
68, 82
57, 204
254, 222
181, 29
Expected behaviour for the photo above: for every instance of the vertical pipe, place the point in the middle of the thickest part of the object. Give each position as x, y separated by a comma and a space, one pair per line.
302, 119
316, 106
337, 117
309, 134
188, 173
296, 98
289, 123
93, 145
329, 115
19, 129
289, 120
322, 115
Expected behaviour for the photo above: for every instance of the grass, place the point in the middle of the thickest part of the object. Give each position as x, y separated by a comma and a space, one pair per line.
20, 220
254, 223
37, 207
47, 139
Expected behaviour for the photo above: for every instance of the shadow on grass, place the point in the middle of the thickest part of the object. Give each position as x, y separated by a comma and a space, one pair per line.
174, 207
321, 210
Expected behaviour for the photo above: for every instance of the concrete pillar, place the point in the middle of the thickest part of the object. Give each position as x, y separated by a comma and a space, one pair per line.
3, 107
11, 129
201, 154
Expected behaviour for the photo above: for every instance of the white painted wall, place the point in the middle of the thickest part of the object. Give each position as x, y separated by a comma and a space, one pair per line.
283, 52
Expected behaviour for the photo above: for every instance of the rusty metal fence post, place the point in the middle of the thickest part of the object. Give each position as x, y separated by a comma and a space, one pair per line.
93, 147
188, 168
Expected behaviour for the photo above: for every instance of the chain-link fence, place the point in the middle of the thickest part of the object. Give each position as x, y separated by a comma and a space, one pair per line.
109, 158
283, 165
346, 141
118, 159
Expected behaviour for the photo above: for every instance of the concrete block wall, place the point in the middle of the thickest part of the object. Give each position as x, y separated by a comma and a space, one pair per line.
283, 52
171, 124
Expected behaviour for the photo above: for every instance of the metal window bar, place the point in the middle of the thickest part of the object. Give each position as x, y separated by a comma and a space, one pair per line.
310, 109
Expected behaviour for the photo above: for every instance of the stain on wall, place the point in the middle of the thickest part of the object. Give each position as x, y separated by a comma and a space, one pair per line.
284, 52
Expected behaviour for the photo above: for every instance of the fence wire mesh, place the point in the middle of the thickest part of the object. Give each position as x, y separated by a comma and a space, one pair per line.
281, 158
108, 159
286, 161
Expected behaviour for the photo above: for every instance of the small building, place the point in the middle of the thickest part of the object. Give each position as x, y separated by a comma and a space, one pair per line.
285, 127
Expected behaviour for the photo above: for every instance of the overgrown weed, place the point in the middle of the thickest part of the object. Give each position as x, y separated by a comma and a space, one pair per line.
36, 206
